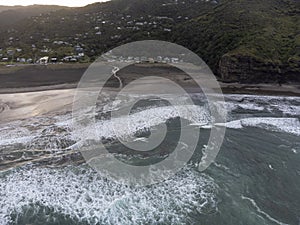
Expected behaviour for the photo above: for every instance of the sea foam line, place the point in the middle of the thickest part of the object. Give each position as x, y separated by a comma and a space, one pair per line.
288, 125
262, 212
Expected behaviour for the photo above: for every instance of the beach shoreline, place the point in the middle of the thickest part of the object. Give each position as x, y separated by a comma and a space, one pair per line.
36, 78
232, 88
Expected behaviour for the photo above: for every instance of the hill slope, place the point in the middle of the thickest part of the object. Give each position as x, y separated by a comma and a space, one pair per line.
10, 15
241, 40
248, 41
4, 8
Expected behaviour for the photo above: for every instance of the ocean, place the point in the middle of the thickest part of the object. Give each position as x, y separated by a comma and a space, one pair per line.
254, 179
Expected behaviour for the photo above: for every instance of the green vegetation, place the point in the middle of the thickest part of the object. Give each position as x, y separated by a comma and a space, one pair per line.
241, 40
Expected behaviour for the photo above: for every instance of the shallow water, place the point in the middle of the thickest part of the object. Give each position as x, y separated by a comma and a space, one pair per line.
254, 180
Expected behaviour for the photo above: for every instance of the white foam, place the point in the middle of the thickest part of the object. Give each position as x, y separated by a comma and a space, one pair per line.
294, 151
288, 125
28, 131
37, 131
287, 105
251, 106
271, 167
14, 140
262, 212
128, 125
288, 109
14, 133
239, 97
86, 196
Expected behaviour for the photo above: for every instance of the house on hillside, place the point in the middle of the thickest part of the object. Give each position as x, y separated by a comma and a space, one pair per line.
174, 60
53, 60
43, 60
70, 58
22, 60
78, 49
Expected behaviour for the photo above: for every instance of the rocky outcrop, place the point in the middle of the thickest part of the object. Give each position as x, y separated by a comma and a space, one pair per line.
248, 69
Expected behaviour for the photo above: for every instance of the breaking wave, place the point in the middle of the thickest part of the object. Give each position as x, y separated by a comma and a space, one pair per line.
288, 125
84, 196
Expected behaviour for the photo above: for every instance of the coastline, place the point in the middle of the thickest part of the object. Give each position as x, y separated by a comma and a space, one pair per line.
261, 89
23, 103
248, 89
37, 78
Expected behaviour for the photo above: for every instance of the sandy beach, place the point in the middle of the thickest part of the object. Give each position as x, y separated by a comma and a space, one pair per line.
25, 105
34, 91
36, 78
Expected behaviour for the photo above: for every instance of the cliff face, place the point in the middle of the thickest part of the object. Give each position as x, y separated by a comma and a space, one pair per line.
247, 69
248, 41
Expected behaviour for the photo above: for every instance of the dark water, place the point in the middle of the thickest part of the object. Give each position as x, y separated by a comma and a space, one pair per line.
254, 180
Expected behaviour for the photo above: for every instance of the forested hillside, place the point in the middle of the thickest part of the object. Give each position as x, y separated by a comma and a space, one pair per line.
241, 40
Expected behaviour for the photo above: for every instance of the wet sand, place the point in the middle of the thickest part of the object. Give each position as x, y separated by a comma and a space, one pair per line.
261, 89
25, 105
37, 90
66, 76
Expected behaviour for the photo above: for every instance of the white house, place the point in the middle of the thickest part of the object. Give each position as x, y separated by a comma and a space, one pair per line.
43, 60
174, 60
54, 60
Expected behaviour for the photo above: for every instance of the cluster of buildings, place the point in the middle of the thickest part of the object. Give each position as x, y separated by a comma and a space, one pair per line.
13, 55
142, 59
53, 60
97, 25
